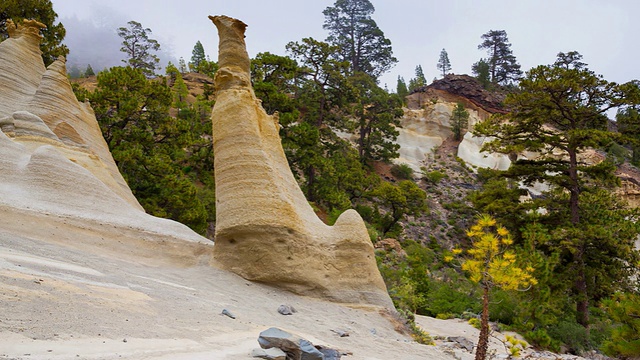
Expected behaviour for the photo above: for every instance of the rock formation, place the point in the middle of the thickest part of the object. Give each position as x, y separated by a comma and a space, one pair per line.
55, 166
426, 122
39, 103
265, 229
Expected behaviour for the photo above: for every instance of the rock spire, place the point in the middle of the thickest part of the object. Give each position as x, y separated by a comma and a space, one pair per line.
265, 229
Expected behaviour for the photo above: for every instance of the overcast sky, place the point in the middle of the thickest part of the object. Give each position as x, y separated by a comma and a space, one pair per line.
605, 32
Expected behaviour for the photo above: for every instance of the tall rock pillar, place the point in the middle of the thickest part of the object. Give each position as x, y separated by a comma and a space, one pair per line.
266, 230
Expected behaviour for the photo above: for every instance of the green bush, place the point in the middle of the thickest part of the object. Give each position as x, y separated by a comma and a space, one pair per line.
402, 171
434, 176
539, 337
503, 307
454, 296
624, 341
571, 334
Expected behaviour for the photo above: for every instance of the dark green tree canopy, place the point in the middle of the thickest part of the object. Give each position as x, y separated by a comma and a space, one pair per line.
503, 66
459, 121
401, 88
482, 72
444, 65
139, 47
89, 71
558, 114
360, 40
42, 11
377, 115
148, 144
419, 80
197, 57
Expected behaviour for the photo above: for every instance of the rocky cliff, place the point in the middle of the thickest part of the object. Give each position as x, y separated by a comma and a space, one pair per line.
265, 229
55, 165
426, 122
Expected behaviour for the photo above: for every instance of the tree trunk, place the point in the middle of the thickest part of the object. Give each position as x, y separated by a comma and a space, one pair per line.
574, 189
582, 303
311, 179
483, 340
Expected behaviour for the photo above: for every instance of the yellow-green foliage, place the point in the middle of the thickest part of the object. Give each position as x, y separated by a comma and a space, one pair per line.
515, 345
491, 263
624, 308
475, 322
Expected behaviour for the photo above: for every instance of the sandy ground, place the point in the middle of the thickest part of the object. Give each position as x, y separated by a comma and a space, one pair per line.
64, 295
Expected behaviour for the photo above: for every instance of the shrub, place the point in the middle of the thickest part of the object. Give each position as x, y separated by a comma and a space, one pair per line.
571, 334
402, 171
540, 338
451, 297
475, 322
434, 176
503, 307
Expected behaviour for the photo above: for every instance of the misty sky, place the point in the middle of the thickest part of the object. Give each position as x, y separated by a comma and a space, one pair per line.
603, 31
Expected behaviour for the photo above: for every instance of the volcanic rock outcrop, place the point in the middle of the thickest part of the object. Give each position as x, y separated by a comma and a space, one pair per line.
265, 229
56, 170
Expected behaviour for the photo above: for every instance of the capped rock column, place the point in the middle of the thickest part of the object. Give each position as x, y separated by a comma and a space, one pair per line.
266, 230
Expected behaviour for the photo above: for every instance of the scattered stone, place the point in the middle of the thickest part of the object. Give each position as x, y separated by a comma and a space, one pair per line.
373, 331
286, 309
227, 313
462, 342
296, 347
270, 354
340, 333
124, 340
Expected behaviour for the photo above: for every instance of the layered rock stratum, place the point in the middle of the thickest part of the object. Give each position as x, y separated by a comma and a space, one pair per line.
56, 166
265, 229
426, 123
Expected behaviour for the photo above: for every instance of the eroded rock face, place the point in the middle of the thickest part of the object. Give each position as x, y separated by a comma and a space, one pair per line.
56, 168
265, 229
37, 106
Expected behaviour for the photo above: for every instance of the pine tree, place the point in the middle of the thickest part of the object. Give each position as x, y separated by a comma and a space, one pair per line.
358, 38
625, 340
377, 115
139, 48
89, 71
559, 114
182, 65
503, 66
401, 88
403, 199
444, 65
459, 121
482, 72
197, 57
628, 120
492, 264
418, 81
150, 146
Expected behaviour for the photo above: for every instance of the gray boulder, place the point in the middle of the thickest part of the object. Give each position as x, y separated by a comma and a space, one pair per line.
294, 346
269, 354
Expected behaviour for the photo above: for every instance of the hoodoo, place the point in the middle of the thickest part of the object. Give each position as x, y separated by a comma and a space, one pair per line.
265, 229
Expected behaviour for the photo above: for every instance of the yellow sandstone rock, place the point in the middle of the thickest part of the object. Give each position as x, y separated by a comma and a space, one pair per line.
265, 229
38, 106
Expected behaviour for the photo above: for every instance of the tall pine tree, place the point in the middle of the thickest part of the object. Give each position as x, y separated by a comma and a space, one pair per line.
139, 47
503, 66
358, 37
197, 57
559, 114
444, 65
